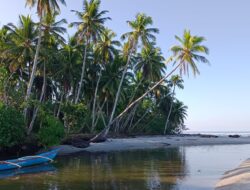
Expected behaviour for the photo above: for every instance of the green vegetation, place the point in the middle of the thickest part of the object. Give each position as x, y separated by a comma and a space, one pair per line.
91, 82
51, 131
12, 131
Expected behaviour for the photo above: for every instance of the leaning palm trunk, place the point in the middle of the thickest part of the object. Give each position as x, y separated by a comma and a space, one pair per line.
147, 92
94, 103
59, 107
82, 74
104, 132
32, 77
130, 119
40, 101
131, 128
170, 111
123, 126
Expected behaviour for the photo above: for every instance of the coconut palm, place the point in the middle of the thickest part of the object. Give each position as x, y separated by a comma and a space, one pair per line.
52, 37
178, 117
47, 7
189, 52
21, 44
53, 30
186, 55
141, 33
175, 81
105, 50
69, 62
90, 28
150, 65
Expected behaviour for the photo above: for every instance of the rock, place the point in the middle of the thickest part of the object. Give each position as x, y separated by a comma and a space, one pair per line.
79, 141
208, 136
234, 136
80, 144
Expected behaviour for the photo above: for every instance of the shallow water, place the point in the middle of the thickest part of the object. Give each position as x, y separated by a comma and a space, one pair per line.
183, 168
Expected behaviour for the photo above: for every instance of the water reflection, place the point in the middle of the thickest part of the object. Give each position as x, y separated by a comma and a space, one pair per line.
152, 170
27, 171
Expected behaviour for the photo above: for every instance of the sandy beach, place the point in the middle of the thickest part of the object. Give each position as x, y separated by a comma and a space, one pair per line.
152, 142
236, 179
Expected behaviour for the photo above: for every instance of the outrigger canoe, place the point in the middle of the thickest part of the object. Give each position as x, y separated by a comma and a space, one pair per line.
28, 160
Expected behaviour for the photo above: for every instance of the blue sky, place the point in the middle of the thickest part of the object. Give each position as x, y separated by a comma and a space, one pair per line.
218, 99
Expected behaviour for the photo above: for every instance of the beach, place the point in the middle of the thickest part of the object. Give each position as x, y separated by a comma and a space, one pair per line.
153, 142
236, 179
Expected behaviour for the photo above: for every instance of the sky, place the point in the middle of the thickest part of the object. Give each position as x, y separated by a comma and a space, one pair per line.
218, 99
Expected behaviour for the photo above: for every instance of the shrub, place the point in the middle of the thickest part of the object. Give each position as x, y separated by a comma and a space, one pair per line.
51, 132
76, 117
12, 130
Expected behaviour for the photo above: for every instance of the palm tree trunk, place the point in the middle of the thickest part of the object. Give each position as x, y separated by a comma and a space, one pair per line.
170, 110
103, 134
59, 107
129, 118
94, 103
146, 93
32, 77
100, 108
40, 101
82, 74
139, 120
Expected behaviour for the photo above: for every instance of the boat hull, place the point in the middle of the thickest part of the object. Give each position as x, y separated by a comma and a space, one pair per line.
28, 160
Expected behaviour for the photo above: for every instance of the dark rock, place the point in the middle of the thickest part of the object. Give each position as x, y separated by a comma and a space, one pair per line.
208, 136
80, 144
234, 136
99, 140
79, 140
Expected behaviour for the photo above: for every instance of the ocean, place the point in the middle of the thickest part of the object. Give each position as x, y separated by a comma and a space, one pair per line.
220, 133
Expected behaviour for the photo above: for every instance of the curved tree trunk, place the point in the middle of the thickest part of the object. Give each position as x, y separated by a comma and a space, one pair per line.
170, 110
94, 103
146, 93
32, 77
59, 107
139, 120
103, 134
40, 101
82, 74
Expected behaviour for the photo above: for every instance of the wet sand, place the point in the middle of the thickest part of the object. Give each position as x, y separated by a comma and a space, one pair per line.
152, 142
237, 179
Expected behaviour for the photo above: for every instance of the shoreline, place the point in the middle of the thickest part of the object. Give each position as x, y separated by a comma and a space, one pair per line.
152, 142
238, 178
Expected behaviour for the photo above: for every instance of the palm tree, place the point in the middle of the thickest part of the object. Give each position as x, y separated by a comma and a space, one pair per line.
178, 117
90, 28
105, 49
69, 62
47, 7
53, 32
186, 55
140, 33
151, 63
175, 81
21, 44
